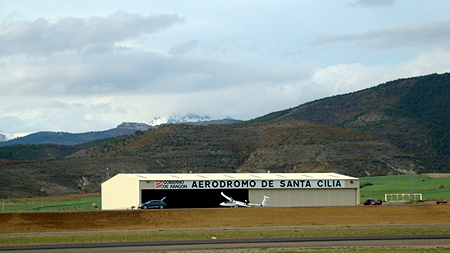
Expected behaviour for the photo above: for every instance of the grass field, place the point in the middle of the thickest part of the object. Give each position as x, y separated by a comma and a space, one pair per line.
53, 204
233, 233
432, 186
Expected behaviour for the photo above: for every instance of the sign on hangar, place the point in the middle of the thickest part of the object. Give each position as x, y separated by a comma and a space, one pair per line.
126, 191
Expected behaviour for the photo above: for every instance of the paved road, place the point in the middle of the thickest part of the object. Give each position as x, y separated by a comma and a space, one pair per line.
288, 242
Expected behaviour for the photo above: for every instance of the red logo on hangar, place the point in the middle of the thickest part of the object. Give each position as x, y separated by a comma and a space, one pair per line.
159, 184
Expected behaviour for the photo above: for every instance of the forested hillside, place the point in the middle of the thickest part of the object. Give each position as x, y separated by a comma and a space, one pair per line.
288, 146
411, 113
378, 131
428, 103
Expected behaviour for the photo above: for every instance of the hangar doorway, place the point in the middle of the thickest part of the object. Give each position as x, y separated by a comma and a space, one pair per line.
194, 198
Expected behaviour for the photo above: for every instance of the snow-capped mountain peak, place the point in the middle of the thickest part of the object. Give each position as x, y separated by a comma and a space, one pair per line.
178, 119
2, 137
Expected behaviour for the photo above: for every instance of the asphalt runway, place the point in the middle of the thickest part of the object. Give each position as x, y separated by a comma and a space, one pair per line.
216, 244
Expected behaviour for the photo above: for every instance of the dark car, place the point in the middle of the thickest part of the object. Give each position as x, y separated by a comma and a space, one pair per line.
372, 202
153, 204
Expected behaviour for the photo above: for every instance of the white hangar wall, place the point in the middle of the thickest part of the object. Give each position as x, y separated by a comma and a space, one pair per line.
120, 192
309, 197
126, 191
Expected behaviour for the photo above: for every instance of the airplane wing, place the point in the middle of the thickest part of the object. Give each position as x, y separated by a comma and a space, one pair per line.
225, 196
232, 202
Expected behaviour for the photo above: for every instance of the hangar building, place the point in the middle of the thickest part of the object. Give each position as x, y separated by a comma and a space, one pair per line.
126, 191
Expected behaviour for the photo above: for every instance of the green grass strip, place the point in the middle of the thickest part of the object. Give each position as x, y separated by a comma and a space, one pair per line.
193, 234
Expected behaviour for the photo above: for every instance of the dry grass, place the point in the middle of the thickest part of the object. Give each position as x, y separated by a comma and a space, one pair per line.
437, 175
222, 218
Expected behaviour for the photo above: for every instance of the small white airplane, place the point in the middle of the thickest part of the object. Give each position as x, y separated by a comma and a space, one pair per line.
234, 203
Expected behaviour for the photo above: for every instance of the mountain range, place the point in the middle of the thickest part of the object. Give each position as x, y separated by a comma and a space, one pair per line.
387, 129
126, 128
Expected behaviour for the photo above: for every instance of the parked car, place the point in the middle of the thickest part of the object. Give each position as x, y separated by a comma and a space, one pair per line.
152, 204
372, 202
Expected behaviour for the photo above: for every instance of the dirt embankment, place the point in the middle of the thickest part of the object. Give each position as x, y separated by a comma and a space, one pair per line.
222, 218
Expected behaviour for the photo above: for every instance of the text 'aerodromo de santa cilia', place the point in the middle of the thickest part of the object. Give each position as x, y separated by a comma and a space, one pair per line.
254, 184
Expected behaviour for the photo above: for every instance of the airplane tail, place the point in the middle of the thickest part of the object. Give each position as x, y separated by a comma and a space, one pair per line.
265, 201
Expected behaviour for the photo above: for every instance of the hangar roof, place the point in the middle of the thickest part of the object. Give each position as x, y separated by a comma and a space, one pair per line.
240, 176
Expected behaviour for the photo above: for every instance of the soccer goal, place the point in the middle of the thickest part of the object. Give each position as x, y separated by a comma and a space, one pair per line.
402, 197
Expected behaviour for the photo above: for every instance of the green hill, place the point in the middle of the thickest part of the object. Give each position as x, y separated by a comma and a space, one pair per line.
412, 114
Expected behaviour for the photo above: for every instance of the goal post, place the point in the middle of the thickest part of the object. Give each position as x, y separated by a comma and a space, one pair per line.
401, 197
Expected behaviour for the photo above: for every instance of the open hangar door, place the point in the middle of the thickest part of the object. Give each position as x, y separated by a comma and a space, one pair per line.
194, 198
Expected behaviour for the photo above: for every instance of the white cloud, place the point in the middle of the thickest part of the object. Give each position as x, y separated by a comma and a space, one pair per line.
44, 36
125, 71
183, 48
255, 91
401, 36
435, 61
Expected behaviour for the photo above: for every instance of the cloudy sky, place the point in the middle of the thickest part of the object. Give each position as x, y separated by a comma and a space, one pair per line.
78, 66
